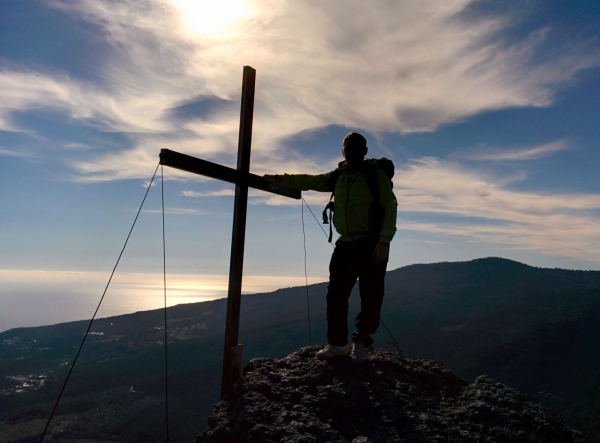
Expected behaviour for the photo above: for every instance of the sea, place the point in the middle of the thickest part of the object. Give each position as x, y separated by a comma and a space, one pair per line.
37, 298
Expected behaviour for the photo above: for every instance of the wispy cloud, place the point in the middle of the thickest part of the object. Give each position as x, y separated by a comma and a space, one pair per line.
177, 211
517, 154
219, 193
78, 146
113, 108
381, 66
448, 199
13, 153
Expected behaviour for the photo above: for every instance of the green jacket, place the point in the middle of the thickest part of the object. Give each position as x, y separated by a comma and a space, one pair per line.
353, 201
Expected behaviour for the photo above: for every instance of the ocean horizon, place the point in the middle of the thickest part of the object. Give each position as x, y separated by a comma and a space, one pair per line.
40, 298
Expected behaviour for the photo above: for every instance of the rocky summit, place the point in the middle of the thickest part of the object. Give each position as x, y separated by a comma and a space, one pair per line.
389, 398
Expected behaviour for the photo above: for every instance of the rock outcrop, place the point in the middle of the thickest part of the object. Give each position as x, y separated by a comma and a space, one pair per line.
389, 398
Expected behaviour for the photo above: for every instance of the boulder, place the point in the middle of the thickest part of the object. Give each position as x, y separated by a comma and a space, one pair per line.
389, 398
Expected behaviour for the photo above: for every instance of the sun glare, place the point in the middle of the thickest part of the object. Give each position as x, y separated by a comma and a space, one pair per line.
212, 17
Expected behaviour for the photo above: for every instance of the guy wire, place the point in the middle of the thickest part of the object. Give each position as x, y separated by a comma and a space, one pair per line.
306, 276
162, 187
326, 236
96, 312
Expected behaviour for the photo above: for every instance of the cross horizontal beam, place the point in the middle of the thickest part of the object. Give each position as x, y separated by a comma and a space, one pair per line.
198, 166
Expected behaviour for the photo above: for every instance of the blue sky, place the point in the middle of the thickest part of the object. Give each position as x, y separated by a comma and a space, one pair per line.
489, 110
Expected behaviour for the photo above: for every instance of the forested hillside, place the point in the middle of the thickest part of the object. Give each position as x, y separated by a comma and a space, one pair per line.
533, 329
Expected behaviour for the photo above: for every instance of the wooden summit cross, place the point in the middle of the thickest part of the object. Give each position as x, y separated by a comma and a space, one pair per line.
232, 354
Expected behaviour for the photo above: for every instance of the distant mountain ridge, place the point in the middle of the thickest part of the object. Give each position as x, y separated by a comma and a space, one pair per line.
534, 329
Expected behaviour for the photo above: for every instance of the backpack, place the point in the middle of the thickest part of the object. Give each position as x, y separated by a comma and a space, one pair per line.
370, 171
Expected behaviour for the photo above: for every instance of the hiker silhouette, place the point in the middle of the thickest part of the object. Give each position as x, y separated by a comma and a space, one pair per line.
365, 219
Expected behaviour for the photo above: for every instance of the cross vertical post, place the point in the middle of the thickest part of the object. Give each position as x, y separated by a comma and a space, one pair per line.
232, 353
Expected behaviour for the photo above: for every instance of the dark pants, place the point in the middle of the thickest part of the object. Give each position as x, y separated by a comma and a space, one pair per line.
351, 261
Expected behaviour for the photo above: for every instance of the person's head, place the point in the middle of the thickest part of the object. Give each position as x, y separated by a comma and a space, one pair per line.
354, 148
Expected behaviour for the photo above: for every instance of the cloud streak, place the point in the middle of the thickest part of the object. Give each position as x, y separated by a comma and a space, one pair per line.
13, 153
177, 211
219, 193
379, 66
440, 197
534, 153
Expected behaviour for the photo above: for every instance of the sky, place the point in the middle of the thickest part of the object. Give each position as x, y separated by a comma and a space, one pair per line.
489, 110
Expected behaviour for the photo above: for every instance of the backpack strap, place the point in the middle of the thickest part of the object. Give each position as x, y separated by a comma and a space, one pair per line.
332, 180
371, 176
328, 220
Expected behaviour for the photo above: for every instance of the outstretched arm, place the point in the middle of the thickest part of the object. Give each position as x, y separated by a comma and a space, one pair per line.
303, 182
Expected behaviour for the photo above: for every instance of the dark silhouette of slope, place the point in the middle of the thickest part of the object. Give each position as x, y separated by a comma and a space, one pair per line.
530, 328
389, 398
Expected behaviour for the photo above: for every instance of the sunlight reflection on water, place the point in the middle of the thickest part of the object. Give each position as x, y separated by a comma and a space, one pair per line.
35, 298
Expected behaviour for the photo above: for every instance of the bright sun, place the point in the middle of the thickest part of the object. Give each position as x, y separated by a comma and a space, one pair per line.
211, 17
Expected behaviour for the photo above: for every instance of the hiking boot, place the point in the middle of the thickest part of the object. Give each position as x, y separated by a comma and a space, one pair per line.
359, 353
330, 351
